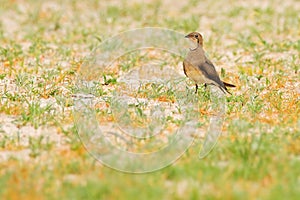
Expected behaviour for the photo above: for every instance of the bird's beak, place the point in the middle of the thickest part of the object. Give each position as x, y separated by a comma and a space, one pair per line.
187, 36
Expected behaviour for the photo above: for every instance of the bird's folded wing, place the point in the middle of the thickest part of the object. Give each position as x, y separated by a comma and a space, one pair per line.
209, 71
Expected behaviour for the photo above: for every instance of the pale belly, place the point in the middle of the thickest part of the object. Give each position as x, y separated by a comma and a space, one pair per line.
195, 74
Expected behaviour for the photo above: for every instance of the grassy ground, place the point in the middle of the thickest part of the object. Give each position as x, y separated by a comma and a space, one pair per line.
43, 45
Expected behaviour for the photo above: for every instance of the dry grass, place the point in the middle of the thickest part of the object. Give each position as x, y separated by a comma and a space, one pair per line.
44, 45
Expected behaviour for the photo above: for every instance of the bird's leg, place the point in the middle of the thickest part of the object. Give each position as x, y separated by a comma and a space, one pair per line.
196, 89
205, 86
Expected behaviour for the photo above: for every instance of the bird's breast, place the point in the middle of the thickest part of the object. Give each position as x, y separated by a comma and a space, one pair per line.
193, 73
196, 57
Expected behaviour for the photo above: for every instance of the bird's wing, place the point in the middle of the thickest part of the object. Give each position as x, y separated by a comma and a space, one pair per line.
209, 71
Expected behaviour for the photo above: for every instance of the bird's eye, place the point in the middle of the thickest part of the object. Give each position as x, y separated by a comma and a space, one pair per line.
196, 36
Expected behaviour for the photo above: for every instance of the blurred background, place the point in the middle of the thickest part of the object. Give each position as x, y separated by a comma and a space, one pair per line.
254, 44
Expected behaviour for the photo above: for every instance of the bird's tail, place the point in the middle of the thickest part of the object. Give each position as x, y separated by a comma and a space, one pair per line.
228, 84
225, 87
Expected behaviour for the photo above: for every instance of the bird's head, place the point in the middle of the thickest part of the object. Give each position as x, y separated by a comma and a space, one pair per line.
195, 37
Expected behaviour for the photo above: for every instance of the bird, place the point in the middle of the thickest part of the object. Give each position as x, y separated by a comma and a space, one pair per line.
199, 68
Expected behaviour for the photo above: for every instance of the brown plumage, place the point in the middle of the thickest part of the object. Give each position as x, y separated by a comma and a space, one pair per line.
199, 68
